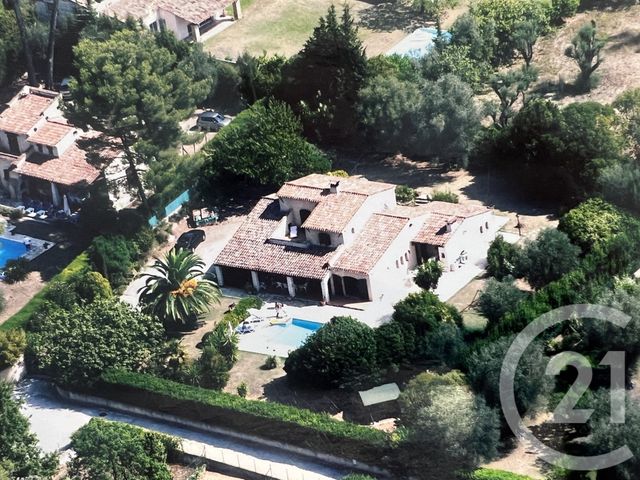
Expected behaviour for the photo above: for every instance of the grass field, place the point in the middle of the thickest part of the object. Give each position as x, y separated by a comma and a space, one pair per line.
282, 26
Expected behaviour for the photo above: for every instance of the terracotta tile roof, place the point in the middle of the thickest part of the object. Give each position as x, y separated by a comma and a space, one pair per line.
455, 209
371, 244
434, 229
334, 212
315, 187
249, 249
72, 168
51, 132
26, 110
7, 157
193, 11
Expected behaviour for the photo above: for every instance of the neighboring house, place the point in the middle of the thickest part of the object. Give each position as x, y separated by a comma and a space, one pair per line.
42, 156
187, 19
328, 238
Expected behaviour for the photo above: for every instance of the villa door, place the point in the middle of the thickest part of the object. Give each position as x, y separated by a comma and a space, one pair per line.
354, 287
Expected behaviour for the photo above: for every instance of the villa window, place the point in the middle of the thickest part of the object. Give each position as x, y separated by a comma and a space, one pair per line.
397, 264
486, 225
324, 238
401, 260
442, 255
481, 230
406, 256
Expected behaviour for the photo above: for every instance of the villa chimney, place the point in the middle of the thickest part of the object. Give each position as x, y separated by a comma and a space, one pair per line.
334, 187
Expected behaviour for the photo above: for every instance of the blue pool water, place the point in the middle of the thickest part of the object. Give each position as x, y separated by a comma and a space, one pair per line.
10, 249
278, 339
308, 324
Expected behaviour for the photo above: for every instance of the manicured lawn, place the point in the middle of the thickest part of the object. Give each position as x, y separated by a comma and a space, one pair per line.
282, 26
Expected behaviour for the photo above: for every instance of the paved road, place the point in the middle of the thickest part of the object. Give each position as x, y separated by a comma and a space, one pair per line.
54, 420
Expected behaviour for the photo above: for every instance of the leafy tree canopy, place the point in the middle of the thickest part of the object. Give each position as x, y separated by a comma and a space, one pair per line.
263, 146
19, 452
424, 311
77, 345
341, 351
116, 451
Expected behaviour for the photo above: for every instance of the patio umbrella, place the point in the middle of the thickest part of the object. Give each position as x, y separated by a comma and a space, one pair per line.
65, 205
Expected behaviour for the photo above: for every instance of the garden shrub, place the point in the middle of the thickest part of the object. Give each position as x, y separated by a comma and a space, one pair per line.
405, 194
16, 270
424, 312
444, 196
274, 421
395, 343
241, 310
270, 363
428, 274
343, 350
12, 345
499, 297
242, 390
502, 258
113, 257
3, 302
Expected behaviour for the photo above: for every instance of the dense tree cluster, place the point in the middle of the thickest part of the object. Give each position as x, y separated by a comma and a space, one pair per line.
263, 146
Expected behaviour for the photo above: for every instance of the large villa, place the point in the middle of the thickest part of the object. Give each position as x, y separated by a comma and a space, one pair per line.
334, 239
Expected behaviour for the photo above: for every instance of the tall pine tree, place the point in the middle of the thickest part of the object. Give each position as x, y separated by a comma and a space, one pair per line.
323, 80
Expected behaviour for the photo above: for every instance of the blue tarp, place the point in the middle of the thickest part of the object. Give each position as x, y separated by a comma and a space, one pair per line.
171, 208
419, 43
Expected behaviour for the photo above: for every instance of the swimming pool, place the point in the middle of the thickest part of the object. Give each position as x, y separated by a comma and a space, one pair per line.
278, 339
10, 249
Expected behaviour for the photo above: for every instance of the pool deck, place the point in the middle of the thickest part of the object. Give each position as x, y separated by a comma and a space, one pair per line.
38, 247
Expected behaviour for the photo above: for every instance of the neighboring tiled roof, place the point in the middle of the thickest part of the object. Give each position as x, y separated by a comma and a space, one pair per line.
193, 11
249, 248
51, 133
26, 110
335, 212
127, 8
70, 169
315, 187
371, 244
463, 210
434, 229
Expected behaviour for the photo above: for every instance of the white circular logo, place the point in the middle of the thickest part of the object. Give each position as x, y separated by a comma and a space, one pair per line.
565, 413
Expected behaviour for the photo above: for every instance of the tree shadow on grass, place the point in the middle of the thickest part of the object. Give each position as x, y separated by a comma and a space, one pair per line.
390, 16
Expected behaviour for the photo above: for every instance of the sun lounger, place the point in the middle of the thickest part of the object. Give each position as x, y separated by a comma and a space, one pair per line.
30, 212
41, 214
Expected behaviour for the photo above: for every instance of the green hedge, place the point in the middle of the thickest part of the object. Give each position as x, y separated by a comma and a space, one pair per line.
21, 318
490, 474
273, 421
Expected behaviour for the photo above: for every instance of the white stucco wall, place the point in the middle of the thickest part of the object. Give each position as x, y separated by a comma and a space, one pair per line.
393, 267
373, 204
179, 26
468, 237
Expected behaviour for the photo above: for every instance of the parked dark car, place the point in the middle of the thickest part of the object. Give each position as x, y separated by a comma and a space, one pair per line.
191, 239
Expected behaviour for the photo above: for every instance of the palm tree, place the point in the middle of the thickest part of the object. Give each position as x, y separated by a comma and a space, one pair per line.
176, 291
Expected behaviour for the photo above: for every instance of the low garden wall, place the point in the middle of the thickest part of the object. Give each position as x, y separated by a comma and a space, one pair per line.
280, 426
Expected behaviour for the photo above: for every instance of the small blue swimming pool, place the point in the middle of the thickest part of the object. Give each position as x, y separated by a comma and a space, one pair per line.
10, 249
306, 324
